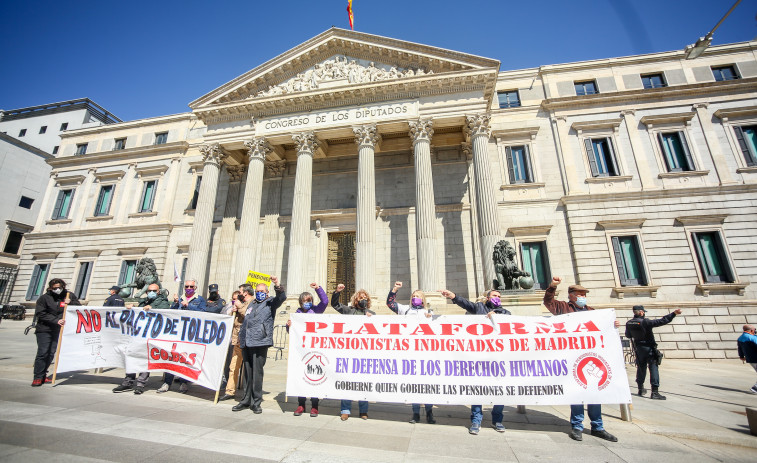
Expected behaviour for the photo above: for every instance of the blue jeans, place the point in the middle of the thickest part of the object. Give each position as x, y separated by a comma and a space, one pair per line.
168, 378
476, 415
362, 406
595, 415
417, 408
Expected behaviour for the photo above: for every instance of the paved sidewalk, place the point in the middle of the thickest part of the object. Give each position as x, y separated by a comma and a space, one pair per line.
80, 419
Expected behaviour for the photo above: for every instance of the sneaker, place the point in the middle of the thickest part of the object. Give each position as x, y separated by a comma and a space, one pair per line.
430, 417
313, 412
576, 434
184, 388
37, 382
299, 410
416, 418
48, 380
499, 427
657, 396
139, 390
474, 429
604, 435
364, 416
122, 388
164, 388
753, 390
642, 391
345, 416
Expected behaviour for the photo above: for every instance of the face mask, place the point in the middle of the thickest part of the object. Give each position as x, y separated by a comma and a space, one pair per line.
152, 295
307, 305
260, 296
495, 301
581, 301
363, 303
58, 290
213, 296
189, 292
240, 298
416, 301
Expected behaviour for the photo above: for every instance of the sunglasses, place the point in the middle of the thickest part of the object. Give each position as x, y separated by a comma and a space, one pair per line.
190, 287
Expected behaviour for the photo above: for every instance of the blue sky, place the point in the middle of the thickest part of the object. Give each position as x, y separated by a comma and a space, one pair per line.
150, 58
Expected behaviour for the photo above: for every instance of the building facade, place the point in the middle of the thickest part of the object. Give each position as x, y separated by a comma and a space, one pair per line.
363, 160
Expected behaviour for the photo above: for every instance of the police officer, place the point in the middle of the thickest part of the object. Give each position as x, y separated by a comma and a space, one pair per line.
215, 302
639, 329
114, 300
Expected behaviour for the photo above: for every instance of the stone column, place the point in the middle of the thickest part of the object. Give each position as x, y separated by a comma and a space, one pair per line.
639, 154
127, 196
307, 143
421, 132
479, 285
226, 249
247, 242
718, 160
488, 221
366, 138
199, 242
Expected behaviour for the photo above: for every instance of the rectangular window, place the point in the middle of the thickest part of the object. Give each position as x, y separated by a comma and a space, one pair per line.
104, 200
26, 202
81, 148
535, 262
64, 126
588, 87
63, 204
37, 282
196, 195
519, 164
722, 73
601, 157
13, 243
128, 271
653, 81
55, 149
21, 133
43, 129
82, 281
119, 144
148, 196
711, 255
161, 138
509, 99
628, 260
747, 139
676, 152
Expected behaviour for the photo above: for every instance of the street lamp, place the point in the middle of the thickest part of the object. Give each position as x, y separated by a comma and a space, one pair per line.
694, 50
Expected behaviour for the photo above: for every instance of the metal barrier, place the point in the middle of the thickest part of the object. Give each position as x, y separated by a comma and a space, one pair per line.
280, 340
629, 354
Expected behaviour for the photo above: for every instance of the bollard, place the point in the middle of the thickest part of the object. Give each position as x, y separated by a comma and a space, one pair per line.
522, 409
625, 412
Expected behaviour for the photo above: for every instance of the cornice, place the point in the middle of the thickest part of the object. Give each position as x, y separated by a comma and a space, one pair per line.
732, 113
136, 154
99, 231
706, 219
580, 126
670, 118
658, 193
621, 224
127, 125
531, 230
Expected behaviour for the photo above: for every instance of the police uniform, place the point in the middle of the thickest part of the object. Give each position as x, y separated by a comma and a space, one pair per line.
639, 329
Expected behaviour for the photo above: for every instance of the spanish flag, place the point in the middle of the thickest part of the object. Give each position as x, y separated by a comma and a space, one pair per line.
349, 14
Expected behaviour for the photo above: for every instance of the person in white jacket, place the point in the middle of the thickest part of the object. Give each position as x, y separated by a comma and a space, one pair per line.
418, 308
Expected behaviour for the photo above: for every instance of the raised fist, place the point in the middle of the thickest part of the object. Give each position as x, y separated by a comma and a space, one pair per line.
397, 285
314, 285
275, 280
555, 282
339, 288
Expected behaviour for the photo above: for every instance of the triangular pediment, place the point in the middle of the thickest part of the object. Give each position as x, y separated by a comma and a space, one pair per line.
343, 59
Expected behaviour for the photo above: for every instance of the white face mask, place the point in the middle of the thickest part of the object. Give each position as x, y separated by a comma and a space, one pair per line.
58, 290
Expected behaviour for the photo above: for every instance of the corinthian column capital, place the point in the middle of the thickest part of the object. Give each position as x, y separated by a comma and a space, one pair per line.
421, 130
257, 148
478, 125
306, 142
366, 135
467, 150
212, 154
235, 173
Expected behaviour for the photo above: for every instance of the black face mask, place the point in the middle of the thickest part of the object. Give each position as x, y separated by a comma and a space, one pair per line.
213, 296
241, 298
363, 303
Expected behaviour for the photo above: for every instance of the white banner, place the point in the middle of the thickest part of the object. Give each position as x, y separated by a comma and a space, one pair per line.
459, 359
192, 345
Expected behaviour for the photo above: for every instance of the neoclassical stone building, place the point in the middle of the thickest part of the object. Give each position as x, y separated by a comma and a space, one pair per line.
362, 159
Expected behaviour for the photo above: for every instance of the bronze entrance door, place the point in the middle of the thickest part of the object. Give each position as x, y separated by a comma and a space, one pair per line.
340, 266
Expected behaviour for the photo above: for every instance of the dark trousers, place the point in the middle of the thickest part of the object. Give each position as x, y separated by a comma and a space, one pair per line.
313, 401
47, 343
141, 380
168, 378
227, 364
254, 361
646, 359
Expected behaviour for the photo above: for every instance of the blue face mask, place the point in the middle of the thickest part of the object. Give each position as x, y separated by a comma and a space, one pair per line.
307, 305
260, 296
581, 301
152, 295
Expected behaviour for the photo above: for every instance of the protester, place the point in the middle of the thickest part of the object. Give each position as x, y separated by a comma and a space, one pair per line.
255, 337
306, 306
154, 300
114, 300
360, 304
577, 303
215, 303
236, 308
491, 307
747, 347
191, 300
639, 329
418, 308
49, 312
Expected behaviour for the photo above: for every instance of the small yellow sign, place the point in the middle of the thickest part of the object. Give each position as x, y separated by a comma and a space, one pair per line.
255, 278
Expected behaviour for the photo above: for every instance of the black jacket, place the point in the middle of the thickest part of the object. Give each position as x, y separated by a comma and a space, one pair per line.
479, 308
640, 329
347, 309
114, 300
49, 310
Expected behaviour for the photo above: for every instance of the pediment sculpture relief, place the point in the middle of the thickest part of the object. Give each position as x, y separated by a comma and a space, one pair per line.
341, 68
